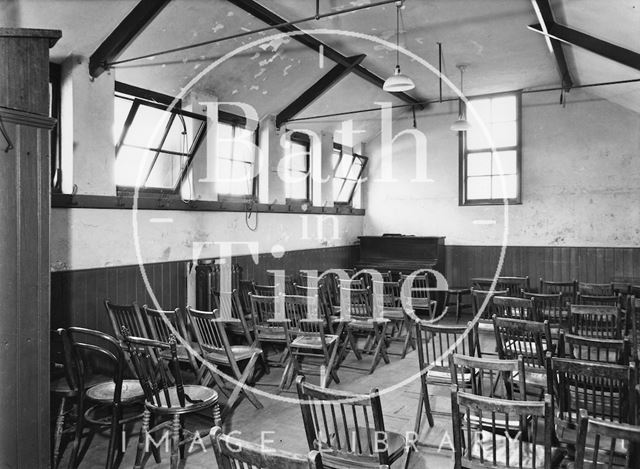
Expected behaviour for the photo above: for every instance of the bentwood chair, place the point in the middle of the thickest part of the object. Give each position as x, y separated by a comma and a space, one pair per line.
606, 391
604, 444
348, 429
95, 355
168, 400
216, 350
163, 324
232, 453
498, 433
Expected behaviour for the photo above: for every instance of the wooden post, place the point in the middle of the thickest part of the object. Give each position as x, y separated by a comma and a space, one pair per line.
24, 246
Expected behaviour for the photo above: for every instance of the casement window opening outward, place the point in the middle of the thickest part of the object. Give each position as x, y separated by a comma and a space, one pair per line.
489, 177
347, 171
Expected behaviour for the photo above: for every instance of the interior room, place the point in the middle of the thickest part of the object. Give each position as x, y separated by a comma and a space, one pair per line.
330, 233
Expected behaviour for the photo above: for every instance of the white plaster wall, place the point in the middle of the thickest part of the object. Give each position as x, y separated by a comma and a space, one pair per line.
581, 167
93, 238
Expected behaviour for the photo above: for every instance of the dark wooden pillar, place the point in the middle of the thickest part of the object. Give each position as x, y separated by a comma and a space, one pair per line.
24, 246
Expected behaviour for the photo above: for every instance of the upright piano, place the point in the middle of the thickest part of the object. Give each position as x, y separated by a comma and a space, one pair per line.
402, 254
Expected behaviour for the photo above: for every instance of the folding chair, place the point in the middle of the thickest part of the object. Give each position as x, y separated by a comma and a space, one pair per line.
215, 349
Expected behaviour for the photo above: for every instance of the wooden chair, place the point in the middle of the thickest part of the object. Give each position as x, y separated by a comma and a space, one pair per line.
94, 354
595, 321
216, 350
244, 288
482, 305
436, 342
529, 339
164, 400
348, 429
421, 300
550, 307
633, 309
268, 331
126, 315
306, 338
362, 322
615, 351
514, 285
569, 290
489, 377
598, 300
242, 327
264, 290
596, 289
513, 307
163, 324
289, 288
604, 390
393, 310
607, 437
234, 453
526, 440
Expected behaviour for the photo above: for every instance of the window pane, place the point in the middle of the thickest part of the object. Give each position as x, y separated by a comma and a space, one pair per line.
131, 162
224, 141
166, 171
479, 187
510, 189
243, 147
343, 167
223, 177
175, 141
505, 134
482, 108
503, 109
505, 162
347, 190
337, 185
354, 172
476, 138
148, 126
297, 187
120, 112
241, 174
298, 158
335, 157
479, 164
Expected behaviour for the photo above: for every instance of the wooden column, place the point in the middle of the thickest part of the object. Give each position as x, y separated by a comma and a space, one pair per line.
24, 246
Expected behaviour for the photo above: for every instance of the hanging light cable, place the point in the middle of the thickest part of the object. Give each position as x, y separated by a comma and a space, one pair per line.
462, 124
398, 81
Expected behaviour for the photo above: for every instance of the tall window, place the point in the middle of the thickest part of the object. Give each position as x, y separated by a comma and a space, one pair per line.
236, 160
347, 171
492, 175
155, 143
55, 111
298, 167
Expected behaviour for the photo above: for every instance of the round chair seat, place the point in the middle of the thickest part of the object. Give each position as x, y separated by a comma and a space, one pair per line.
336, 458
131, 391
61, 387
201, 397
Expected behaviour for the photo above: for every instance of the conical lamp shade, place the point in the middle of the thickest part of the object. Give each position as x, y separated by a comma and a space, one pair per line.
461, 125
398, 82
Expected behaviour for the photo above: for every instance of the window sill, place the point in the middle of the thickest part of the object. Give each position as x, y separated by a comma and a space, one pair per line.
165, 202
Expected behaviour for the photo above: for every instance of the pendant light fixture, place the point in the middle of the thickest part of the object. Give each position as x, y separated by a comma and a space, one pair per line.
398, 81
462, 124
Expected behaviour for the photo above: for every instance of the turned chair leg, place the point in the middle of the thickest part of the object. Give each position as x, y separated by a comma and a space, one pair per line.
58, 436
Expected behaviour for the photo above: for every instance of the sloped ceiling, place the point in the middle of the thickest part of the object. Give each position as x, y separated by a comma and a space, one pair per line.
490, 36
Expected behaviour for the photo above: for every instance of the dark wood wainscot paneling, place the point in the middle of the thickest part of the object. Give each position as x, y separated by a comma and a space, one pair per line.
77, 296
586, 264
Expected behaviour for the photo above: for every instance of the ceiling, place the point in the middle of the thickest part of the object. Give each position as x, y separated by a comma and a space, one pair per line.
491, 36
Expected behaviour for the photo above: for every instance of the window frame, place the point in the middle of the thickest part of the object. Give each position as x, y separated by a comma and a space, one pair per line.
463, 153
302, 139
239, 121
354, 155
141, 96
